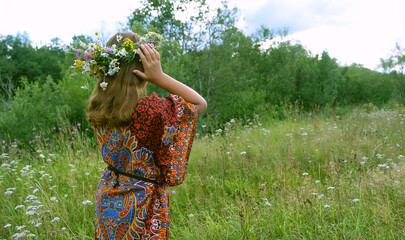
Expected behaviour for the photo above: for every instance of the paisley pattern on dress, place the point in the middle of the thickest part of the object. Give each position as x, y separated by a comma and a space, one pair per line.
156, 145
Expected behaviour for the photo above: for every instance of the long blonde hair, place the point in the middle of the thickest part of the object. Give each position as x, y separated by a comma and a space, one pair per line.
115, 105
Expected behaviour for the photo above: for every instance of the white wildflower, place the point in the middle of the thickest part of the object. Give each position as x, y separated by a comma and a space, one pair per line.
30, 213
31, 197
87, 202
121, 52
20, 235
356, 200
20, 227
114, 62
103, 85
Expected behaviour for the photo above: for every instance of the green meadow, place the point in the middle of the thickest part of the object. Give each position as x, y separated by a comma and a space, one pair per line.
336, 175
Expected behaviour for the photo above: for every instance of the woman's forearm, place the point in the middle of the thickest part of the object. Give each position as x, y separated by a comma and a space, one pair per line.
175, 87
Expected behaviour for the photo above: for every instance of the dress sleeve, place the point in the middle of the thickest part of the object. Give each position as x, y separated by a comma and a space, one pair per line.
180, 121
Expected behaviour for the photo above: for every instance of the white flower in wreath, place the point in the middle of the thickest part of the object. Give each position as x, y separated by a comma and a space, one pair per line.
92, 46
103, 85
114, 62
121, 52
111, 72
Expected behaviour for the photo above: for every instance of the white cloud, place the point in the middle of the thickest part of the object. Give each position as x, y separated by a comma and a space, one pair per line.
357, 31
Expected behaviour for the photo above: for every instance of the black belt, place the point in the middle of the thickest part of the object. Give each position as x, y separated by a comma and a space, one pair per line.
118, 173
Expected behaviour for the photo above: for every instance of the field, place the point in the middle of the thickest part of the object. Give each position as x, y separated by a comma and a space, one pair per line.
310, 176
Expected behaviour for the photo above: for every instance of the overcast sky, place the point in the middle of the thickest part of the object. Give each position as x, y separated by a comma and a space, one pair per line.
360, 31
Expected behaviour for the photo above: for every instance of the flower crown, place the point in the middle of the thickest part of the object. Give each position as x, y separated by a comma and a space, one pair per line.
96, 59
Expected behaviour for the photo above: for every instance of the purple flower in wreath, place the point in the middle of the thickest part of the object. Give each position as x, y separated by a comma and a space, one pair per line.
109, 50
78, 52
87, 56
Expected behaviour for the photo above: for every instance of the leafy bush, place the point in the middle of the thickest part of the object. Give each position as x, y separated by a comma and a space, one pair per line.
36, 107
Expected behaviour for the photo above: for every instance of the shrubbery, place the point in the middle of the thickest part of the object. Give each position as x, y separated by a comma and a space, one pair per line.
39, 106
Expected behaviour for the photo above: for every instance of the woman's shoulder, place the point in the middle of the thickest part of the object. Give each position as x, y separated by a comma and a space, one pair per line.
171, 105
147, 102
153, 100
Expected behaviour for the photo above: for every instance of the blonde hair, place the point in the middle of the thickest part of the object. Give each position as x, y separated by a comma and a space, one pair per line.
115, 105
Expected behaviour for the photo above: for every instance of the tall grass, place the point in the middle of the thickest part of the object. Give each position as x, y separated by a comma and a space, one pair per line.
311, 176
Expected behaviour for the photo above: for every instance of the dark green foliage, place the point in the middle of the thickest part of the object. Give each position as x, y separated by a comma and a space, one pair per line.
18, 58
361, 85
395, 65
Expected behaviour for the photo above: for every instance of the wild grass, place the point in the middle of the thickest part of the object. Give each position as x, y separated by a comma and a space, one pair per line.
311, 176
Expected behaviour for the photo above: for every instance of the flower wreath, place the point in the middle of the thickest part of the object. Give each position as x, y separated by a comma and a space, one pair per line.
96, 59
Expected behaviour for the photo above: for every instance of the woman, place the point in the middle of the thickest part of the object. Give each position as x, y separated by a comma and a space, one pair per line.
145, 141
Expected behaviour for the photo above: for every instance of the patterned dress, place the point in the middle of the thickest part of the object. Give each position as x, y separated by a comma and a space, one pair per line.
156, 145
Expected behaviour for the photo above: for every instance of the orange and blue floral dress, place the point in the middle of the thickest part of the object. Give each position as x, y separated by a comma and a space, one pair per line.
155, 147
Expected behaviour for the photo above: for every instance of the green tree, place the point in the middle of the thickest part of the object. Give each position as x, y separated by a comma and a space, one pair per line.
18, 58
395, 65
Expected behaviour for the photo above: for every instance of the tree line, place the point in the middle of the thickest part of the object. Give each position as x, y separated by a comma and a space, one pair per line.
234, 71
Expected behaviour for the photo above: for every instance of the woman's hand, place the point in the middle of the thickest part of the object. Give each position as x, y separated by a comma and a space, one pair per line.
151, 64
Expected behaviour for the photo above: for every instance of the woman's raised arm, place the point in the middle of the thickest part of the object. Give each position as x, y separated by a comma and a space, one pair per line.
153, 73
